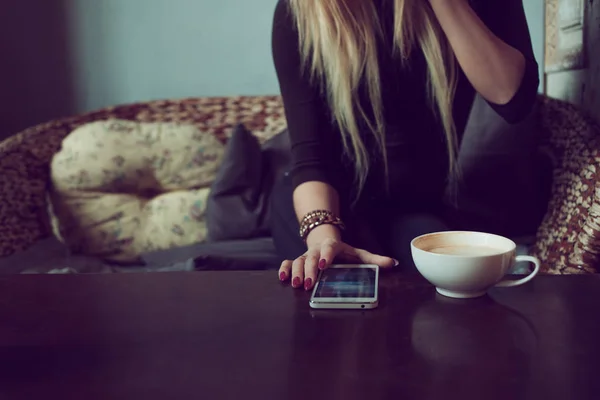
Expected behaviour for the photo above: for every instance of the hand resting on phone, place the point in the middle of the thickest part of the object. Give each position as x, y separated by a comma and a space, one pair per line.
303, 271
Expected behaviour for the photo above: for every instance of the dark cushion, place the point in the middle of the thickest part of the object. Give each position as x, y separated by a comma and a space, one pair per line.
238, 206
505, 185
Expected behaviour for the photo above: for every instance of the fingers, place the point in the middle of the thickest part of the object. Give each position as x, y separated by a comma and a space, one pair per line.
293, 270
285, 271
302, 271
328, 253
363, 256
370, 258
310, 269
298, 272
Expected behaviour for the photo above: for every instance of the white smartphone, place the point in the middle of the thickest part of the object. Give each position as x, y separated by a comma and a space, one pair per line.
347, 286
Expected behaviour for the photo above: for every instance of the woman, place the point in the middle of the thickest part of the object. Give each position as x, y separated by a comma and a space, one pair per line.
377, 94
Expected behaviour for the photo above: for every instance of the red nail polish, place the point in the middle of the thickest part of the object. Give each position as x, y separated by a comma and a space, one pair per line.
307, 284
282, 276
296, 282
322, 264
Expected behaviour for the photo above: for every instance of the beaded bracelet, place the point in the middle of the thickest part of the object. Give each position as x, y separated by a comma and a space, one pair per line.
318, 218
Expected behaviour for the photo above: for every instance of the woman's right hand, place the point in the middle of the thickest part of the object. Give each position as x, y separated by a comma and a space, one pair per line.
302, 272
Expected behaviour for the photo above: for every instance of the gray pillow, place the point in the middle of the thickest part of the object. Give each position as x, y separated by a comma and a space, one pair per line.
506, 179
238, 205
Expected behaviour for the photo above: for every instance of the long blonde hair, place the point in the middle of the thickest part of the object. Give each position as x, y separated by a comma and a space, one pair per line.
338, 43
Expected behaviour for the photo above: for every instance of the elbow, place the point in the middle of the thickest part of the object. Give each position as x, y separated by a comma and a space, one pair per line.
522, 115
524, 104
517, 106
508, 80
503, 95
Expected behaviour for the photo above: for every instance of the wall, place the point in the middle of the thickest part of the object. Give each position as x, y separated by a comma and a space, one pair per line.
36, 65
132, 50
128, 52
591, 89
582, 86
534, 9
87, 54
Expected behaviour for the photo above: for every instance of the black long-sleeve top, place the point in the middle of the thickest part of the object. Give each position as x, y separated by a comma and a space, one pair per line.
415, 139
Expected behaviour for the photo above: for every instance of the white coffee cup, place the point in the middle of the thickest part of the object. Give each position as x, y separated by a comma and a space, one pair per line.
464, 264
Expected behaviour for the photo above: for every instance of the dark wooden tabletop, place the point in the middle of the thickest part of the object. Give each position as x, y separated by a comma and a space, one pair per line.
242, 335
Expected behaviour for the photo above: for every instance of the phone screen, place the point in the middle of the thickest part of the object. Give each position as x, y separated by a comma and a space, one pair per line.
346, 283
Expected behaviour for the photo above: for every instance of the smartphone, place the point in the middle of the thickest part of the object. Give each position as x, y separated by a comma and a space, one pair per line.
347, 286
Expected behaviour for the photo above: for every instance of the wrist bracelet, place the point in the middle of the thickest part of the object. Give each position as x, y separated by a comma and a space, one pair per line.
318, 218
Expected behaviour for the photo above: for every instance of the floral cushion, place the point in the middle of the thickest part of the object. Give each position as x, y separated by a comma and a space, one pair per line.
173, 219
568, 240
120, 187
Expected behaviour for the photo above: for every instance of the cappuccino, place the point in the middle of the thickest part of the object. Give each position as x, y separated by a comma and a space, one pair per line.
465, 265
466, 250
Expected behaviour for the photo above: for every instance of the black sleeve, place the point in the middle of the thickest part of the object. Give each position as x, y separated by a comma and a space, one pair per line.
507, 20
308, 125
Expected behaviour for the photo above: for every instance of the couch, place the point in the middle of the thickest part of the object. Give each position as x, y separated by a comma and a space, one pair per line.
567, 241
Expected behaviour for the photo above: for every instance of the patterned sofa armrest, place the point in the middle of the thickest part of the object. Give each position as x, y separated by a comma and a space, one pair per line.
569, 237
25, 157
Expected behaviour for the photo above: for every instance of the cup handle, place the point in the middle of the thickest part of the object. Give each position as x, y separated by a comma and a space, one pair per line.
519, 282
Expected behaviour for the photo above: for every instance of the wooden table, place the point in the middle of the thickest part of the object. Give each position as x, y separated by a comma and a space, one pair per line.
234, 335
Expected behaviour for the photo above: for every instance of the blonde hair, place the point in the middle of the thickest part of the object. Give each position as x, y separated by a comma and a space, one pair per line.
338, 43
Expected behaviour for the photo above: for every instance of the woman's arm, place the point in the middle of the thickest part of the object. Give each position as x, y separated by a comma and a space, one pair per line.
314, 195
313, 162
495, 54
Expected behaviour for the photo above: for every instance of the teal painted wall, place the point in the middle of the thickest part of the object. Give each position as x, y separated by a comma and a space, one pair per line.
536, 19
132, 50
